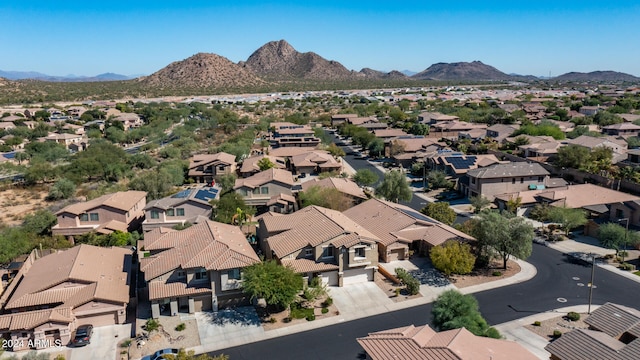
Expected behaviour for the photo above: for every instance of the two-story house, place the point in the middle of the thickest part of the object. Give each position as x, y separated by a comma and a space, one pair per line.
340, 119
313, 162
251, 165
120, 211
500, 132
256, 190
190, 205
286, 134
622, 129
503, 178
204, 168
51, 296
319, 242
401, 229
195, 269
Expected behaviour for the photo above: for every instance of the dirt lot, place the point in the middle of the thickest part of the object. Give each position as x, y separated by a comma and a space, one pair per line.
486, 275
390, 289
165, 337
272, 321
17, 202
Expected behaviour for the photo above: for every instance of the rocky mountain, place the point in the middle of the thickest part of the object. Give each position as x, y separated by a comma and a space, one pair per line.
475, 70
21, 75
202, 71
279, 60
375, 74
596, 76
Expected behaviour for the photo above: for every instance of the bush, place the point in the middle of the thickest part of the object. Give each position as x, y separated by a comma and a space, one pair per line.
412, 284
152, 325
273, 320
453, 257
536, 323
497, 273
492, 333
557, 333
181, 327
311, 317
327, 302
126, 343
315, 281
627, 267
324, 310
573, 316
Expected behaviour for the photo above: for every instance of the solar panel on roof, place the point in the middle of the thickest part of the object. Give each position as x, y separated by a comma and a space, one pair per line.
206, 194
417, 215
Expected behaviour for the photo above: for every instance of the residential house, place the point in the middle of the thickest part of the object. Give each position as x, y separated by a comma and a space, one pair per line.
629, 117
187, 206
406, 150
282, 204
633, 156
456, 164
474, 135
120, 211
503, 178
455, 125
76, 129
539, 147
622, 129
387, 134
319, 242
401, 229
7, 126
67, 140
422, 342
374, 126
286, 134
51, 296
430, 118
343, 185
339, 119
500, 132
359, 121
612, 335
257, 189
618, 145
195, 269
314, 162
204, 168
76, 111
509, 108
250, 165
129, 120
589, 110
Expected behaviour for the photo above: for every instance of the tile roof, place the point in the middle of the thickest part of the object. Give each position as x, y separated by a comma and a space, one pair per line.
513, 169
202, 159
188, 195
122, 200
210, 245
574, 196
311, 226
31, 319
343, 185
73, 277
315, 158
162, 290
614, 319
250, 164
384, 133
392, 222
308, 265
424, 343
264, 177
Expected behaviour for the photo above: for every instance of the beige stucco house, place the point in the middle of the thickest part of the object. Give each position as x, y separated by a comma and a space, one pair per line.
258, 189
204, 168
190, 205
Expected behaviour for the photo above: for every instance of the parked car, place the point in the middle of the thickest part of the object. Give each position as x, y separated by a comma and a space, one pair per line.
159, 355
83, 335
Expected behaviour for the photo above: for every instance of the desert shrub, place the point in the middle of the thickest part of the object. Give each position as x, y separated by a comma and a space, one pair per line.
627, 266
152, 325
311, 317
573, 316
492, 333
324, 310
272, 320
536, 323
181, 327
557, 333
315, 281
453, 257
497, 273
327, 302
126, 343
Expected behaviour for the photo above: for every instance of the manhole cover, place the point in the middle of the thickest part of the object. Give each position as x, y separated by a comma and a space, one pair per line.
562, 300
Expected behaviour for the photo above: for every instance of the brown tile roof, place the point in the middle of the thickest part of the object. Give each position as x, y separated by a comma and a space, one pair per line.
264, 177
161, 290
581, 195
281, 199
311, 226
315, 158
513, 169
122, 200
210, 245
250, 164
394, 222
423, 343
90, 272
614, 320
288, 151
202, 159
308, 265
385, 133
30, 319
341, 184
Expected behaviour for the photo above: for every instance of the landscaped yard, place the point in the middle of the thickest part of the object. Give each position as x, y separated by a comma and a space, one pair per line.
560, 324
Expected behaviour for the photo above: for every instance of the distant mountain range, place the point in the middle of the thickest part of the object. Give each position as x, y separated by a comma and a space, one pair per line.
21, 75
277, 62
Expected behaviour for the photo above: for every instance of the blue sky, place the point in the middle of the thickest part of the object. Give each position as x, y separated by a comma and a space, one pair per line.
141, 37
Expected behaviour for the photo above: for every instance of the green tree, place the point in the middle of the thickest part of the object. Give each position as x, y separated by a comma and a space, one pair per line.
278, 285
40, 222
329, 198
376, 147
479, 203
453, 310
616, 236
226, 182
503, 236
335, 150
453, 257
62, 189
265, 164
394, 187
365, 177
569, 218
440, 211
22, 156
225, 208
115, 135
513, 204
572, 156
437, 179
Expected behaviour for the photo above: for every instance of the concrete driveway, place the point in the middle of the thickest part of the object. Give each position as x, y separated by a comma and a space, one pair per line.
354, 298
104, 343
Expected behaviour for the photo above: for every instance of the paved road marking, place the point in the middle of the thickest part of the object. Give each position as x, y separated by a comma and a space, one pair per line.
562, 300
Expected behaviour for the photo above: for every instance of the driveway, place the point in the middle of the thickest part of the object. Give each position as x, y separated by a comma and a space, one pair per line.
354, 298
104, 343
228, 327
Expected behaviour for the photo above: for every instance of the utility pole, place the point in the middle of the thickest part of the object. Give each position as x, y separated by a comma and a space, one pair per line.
593, 270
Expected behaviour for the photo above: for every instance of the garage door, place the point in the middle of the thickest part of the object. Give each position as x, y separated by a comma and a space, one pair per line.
395, 254
98, 319
202, 303
357, 276
329, 278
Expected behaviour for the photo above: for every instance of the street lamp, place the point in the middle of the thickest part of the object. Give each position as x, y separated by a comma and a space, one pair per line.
626, 234
593, 270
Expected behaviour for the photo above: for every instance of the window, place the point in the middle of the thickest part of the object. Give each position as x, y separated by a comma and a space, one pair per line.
619, 213
308, 252
473, 180
84, 217
127, 214
181, 273
513, 181
521, 180
201, 274
233, 274
170, 212
256, 191
94, 217
540, 178
360, 252
180, 211
155, 214
264, 190
243, 192
327, 252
